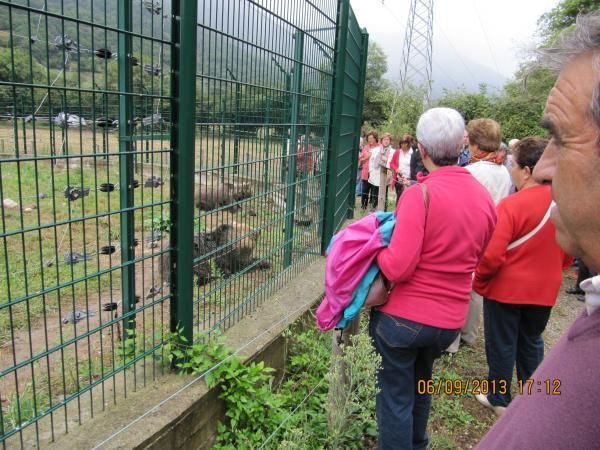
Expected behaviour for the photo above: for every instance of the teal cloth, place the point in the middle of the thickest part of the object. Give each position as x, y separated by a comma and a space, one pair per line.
387, 222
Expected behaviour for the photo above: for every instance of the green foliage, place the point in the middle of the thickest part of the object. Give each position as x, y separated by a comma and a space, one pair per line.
352, 415
25, 406
563, 16
15, 66
451, 411
403, 109
377, 89
470, 105
160, 223
294, 416
438, 442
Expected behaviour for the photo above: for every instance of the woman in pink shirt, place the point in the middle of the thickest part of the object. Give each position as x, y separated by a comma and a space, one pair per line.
363, 161
429, 262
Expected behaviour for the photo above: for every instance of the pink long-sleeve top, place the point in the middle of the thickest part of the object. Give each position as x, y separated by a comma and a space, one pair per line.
364, 160
431, 264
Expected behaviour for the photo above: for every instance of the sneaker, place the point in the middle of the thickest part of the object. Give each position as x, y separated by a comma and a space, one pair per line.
575, 290
499, 410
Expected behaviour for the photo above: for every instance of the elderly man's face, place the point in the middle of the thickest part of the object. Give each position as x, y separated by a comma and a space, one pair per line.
572, 161
465, 139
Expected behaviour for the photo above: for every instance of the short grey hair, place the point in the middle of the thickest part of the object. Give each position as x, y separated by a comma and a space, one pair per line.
440, 131
583, 37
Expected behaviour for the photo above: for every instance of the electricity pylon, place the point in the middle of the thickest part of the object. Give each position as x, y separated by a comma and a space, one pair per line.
416, 64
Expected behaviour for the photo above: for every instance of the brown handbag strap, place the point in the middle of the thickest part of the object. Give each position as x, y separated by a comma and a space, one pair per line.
425, 192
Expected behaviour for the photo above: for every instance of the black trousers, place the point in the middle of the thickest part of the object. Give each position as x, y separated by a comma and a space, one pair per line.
399, 189
369, 195
513, 334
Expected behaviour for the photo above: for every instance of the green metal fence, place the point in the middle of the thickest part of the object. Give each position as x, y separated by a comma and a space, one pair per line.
164, 165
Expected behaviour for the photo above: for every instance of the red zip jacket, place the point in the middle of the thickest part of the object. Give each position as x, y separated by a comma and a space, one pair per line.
531, 273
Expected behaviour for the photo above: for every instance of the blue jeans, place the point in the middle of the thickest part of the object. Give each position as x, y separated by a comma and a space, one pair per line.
513, 333
408, 350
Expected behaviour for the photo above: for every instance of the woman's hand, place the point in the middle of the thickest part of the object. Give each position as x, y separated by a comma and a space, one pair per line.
405, 181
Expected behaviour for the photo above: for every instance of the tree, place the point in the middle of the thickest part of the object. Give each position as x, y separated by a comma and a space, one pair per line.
563, 16
15, 67
377, 89
470, 105
403, 109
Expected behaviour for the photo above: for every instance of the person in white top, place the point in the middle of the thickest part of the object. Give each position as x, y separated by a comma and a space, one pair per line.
374, 175
400, 164
487, 167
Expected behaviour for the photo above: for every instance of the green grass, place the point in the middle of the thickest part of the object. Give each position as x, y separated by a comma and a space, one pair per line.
25, 406
32, 261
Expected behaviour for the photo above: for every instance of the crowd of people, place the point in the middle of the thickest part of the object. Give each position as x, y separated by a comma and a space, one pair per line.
488, 235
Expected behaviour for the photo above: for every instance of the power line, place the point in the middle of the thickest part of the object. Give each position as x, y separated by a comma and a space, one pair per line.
486, 37
457, 53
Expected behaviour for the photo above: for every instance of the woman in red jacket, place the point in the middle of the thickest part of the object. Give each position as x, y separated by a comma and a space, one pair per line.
519, 277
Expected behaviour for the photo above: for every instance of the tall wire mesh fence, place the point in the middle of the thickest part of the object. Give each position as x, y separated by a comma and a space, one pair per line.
154, 178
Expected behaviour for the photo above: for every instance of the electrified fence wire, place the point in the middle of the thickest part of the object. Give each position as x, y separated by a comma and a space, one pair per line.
198, 378
292, 413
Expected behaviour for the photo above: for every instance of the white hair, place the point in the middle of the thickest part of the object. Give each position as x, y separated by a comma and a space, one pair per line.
440, 131
513, 142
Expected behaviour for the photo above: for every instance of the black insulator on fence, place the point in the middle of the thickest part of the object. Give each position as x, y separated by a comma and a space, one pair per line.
136, 242
134, 61
303, 221
108, 250
104, 53
135, 184
111, 306
138, 299
65, 42
153, 182
107, 122
107, 187
75, 192
153, 291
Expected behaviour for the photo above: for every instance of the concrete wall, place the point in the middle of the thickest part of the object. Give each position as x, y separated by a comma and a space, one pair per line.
187, 413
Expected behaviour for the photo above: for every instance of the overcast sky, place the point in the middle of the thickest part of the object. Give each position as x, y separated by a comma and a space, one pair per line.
474, 41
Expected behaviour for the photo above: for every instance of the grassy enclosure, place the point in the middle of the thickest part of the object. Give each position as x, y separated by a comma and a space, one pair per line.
164, 166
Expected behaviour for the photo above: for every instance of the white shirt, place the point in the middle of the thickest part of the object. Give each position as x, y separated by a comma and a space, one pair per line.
591, 287
494, 177
374, 167
404, 162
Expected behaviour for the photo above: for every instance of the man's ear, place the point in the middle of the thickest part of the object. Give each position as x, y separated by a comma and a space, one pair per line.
423, 151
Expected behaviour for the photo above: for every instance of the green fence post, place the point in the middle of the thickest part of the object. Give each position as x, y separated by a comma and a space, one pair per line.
266, 137
286, 120
222, 127
335, 126
183, 132
360, 106
236, 129
236, 133
290, 203
125, 75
